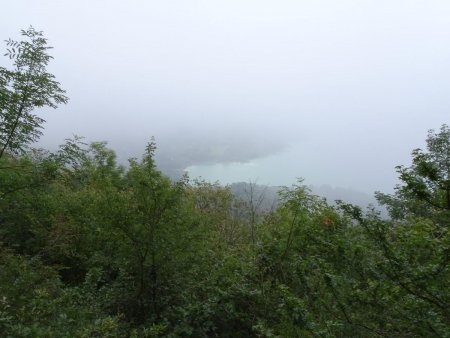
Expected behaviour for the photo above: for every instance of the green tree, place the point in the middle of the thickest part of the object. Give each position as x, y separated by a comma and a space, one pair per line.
425, 188
26, 87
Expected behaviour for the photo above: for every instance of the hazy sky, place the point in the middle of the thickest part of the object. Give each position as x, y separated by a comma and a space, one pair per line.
336, 92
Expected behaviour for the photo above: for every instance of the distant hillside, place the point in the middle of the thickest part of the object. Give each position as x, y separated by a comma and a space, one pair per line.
269, 194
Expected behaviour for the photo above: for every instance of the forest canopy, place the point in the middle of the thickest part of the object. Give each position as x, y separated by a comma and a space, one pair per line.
90, 248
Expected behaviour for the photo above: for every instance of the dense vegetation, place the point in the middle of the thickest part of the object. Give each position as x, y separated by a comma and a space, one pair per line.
89, 248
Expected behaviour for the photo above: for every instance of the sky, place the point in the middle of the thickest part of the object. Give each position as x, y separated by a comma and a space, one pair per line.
336, 92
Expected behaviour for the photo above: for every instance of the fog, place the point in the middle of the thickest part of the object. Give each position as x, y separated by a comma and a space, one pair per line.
336, 92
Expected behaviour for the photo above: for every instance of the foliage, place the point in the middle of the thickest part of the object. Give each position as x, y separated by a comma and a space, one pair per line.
26, 87
426, 183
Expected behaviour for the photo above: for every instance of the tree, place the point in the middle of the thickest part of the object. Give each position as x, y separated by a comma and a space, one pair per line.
26, 87
426, 183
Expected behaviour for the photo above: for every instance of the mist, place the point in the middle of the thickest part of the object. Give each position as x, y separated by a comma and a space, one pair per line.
336, 92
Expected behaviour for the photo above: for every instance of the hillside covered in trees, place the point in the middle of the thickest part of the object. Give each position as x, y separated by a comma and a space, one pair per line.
89, 248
